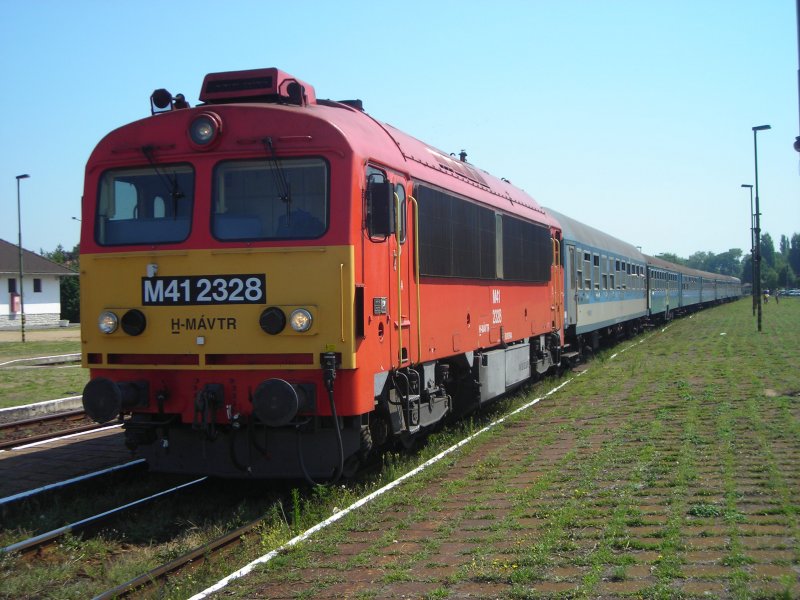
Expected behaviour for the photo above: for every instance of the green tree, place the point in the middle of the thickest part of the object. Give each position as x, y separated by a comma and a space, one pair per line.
699, 260
767, 250
726, 263
673, 258
794, 253
784, 246
746, 272
70, 286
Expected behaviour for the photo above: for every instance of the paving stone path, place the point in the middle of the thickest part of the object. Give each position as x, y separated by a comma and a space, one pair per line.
668, 471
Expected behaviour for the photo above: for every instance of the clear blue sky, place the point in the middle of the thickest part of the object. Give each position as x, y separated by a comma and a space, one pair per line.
632, 116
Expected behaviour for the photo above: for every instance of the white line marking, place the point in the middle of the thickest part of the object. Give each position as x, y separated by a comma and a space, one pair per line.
65, 437
71, 356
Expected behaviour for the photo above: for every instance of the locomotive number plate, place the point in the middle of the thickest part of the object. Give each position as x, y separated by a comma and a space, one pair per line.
204, 289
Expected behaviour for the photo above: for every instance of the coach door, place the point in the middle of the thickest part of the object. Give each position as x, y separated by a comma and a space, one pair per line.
571, 290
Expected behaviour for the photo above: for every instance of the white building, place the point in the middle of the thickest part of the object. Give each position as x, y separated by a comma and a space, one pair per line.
41, 288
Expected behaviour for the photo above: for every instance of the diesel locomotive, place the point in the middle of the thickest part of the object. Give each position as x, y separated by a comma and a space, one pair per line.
275, 284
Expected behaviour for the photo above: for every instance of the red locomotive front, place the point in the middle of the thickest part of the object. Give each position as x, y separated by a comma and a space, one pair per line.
273, 285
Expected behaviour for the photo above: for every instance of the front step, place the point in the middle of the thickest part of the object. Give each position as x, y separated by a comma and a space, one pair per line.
572, 358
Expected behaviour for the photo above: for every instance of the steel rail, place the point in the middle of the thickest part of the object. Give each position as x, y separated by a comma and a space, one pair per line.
45, 538
67, 482
159, 573
41, 420
70, 415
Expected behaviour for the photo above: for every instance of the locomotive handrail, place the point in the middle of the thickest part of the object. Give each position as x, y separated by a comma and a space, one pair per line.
341, 302
399, 268
416, 276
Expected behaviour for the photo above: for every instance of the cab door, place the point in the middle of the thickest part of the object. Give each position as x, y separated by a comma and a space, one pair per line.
557, 306
392, 251
402, 295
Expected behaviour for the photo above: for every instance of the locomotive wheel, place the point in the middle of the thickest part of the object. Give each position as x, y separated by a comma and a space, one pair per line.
351, 466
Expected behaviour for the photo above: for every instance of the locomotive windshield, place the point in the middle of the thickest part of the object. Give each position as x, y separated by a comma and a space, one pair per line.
145, 206
270, 200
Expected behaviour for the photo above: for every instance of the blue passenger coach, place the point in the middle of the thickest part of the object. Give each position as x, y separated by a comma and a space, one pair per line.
605, 287
677, 289
664, 288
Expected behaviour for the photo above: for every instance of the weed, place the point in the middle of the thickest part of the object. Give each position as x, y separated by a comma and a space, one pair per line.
705, 510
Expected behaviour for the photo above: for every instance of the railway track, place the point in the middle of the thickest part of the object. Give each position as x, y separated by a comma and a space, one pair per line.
94, 522
60, 485
44, 427
193, 558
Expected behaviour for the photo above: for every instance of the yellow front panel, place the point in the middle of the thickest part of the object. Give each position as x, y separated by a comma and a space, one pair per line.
319, 279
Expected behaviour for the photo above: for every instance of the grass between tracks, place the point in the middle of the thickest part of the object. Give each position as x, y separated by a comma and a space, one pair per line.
667, 471
26, 385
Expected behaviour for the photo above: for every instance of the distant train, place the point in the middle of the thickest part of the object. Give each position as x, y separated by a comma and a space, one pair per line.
279, 284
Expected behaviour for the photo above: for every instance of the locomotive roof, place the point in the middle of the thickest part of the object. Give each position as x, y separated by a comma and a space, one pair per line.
578, 232
373, 139
386, 144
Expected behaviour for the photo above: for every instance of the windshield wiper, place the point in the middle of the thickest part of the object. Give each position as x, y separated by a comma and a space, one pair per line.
170, 183
281, 181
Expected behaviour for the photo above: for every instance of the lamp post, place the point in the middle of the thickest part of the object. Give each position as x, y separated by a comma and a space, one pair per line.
797, 13
19, 228
757, 261
752, 248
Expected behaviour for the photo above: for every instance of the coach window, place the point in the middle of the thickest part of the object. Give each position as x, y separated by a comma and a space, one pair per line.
400, 191
587, 269
556, 252
596, 274
270, 199
578, 283
145, 206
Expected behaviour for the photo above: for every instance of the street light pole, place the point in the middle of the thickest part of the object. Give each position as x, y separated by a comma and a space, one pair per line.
797, 13
752, 248
19, 229
757, 282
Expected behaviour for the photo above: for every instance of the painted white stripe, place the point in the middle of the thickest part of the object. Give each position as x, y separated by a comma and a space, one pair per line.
64, 437
359, 503
57, 356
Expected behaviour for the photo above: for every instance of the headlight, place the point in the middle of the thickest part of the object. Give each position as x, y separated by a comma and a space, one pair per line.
108, 322
204, 130
300, 320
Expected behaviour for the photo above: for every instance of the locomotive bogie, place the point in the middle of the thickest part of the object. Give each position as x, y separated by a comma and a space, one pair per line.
247, 449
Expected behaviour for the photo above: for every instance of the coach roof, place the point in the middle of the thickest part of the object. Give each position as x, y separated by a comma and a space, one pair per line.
580, 233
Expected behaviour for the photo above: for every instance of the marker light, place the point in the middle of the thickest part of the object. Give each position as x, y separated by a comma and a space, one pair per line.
300, 320
203, 131
134, 322
272, 320
108, 322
